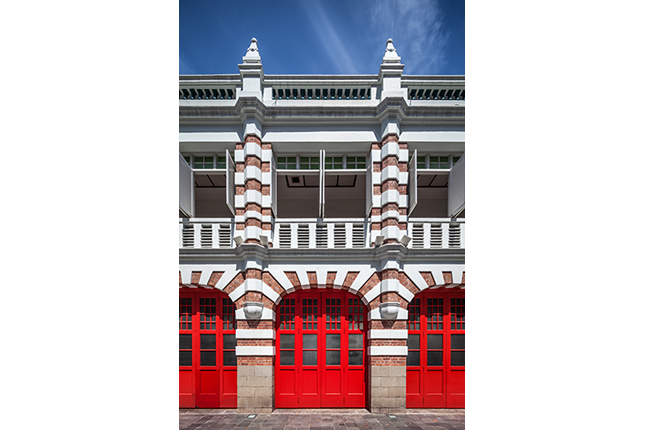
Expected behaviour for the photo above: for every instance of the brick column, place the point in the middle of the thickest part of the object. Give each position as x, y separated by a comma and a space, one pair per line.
389, 220
255, 338
387, 337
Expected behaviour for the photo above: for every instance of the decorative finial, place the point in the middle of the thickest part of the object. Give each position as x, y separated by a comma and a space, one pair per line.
252, 53
390, 53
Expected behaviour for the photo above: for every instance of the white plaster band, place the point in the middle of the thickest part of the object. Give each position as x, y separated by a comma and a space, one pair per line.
266, 155
247, 215
255, 351
404, 155
252, 172
389, 196
252, 196
239, 178
252, 148
390, 172
373, 293
253, 285
390, 214
375, 314
405, 293
267, 314
385, 334
266, 178
390, 148
389, 285
253, 232
387, 350
241, 333
391, 232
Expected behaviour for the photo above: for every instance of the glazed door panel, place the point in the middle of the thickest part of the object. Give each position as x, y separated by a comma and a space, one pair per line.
320, 350
436, 350
207, 361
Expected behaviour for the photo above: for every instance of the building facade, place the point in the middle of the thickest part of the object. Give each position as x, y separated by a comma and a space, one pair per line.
322, 240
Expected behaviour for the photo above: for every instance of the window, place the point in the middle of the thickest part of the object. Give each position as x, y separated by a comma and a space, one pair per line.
287, 163
437, 161
310, 163
333, 163
210, 161
355, 162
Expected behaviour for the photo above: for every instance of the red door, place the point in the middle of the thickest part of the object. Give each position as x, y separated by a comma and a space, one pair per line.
436, 350
320, 350
207, 360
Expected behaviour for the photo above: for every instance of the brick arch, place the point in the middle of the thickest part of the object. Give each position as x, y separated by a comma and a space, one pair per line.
315, 287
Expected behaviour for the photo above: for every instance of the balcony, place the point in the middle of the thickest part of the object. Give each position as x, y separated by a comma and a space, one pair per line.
433, 233
330, 233
213, 233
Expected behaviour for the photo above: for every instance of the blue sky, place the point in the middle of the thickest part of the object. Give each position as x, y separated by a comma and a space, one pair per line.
322, 37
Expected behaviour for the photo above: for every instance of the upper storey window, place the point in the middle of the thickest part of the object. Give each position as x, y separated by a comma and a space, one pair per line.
437, 161
344, 162
298, 162
210, 161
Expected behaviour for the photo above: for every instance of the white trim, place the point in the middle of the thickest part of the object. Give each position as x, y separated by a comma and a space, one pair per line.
242, 333
389, 285
267, 314
253, 285
387, 334
254, 351
388, 215
375, 314
390, 172
252, 148
405, 293
252, 172
252, 196
373, 293
390, 196
390, 148
387, 350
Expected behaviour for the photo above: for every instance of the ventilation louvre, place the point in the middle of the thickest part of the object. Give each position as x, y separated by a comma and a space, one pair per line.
225, 231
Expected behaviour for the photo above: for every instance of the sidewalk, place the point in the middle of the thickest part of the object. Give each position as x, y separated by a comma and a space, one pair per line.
321, 419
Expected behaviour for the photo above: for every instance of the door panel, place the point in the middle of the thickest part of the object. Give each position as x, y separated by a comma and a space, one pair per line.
207, 371
320, 346
436, 350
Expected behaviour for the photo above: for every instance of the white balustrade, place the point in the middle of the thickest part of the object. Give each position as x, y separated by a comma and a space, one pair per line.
433, 233
329, 233
206, 233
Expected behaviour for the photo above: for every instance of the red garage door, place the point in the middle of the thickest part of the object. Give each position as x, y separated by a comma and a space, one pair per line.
320, 351
207, 361
436, 350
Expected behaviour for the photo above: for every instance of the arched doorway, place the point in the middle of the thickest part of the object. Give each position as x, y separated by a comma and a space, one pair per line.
207, 360
436, 349
321, 350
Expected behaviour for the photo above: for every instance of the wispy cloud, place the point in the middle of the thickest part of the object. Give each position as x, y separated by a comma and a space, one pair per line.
417, 29
330, 39
184, 66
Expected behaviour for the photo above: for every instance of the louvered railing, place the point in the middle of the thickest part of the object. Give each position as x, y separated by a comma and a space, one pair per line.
424, 233
330, 233
206, 233
436, 233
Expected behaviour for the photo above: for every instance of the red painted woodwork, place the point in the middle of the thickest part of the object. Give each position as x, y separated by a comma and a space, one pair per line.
321, 351
207, 361
436, 350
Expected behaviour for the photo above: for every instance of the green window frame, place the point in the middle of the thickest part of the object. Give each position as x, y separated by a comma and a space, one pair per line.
204, 162
356, 162
333, 163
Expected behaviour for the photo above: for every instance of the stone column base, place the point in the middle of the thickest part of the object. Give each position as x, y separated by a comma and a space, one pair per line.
255, 389
387, 390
